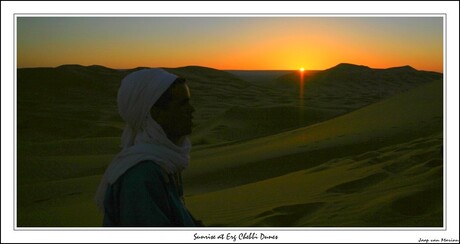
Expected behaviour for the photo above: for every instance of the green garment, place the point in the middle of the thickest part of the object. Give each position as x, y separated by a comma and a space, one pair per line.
146, 196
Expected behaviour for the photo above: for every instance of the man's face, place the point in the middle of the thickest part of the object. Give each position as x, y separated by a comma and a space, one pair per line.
176, 117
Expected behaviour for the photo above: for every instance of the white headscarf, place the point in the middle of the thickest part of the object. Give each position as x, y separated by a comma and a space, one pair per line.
143, 138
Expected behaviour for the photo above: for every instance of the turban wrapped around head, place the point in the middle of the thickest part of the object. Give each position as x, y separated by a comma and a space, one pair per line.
137, 94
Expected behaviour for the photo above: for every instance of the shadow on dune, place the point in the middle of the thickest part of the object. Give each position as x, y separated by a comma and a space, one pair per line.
286, 216
358, 185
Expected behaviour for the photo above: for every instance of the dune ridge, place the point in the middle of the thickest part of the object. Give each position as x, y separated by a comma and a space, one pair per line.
368, 126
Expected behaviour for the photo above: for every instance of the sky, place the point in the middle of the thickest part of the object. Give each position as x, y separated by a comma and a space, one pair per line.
231, 43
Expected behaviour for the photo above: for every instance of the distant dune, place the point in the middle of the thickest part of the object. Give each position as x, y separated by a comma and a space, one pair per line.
362, 148
351, 86
260, 77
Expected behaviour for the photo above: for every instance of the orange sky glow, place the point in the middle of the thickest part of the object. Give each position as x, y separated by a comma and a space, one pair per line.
239, 43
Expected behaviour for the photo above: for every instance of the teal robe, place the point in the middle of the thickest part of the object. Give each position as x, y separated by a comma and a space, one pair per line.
145, 196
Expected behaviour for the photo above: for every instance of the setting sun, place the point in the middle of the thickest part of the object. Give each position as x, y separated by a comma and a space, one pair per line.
306, 41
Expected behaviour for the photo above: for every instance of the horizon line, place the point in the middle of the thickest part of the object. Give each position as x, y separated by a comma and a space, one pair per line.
226, 69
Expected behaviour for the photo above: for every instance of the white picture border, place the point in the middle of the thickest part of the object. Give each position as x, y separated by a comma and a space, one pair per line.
287, 235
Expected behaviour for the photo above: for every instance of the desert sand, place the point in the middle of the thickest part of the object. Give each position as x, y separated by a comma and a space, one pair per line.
362, 148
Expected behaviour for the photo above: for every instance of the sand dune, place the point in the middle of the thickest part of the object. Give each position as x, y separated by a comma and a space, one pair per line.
362, 153
414, 114
349, 86
267, 78
242, 123
393, 155
339, 192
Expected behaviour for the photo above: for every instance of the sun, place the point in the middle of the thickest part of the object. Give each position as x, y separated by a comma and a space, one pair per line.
302, 69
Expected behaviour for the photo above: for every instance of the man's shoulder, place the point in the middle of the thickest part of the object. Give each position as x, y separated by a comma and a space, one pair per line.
148, 165
146, 170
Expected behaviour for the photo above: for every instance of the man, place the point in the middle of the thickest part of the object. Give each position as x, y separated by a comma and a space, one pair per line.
142, 186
